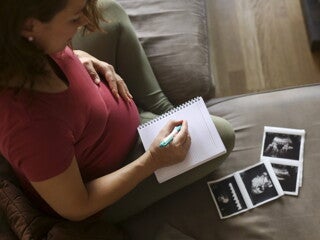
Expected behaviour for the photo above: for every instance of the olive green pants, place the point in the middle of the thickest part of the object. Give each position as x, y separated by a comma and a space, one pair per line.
119, 46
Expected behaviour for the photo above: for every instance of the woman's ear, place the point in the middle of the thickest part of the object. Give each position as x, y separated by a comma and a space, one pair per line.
28, 28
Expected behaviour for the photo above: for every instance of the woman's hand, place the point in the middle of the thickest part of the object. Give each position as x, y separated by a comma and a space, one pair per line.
175, 151
95, 67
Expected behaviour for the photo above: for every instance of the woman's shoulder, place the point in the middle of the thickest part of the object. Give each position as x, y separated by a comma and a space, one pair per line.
20, 106
19, 114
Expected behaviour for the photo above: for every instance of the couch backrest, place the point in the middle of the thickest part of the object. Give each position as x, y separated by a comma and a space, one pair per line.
174, 36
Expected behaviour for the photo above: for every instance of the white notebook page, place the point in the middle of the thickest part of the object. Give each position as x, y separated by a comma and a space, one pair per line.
206, 143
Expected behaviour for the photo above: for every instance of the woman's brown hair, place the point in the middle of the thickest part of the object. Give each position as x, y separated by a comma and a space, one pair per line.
20, 58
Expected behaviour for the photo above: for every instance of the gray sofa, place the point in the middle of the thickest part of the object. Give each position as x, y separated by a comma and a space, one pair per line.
191, 213
174, 35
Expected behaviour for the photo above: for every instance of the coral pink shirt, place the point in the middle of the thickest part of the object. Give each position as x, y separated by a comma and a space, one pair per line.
40, 137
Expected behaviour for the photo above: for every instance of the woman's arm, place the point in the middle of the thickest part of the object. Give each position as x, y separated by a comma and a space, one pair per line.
74, 200
121, 48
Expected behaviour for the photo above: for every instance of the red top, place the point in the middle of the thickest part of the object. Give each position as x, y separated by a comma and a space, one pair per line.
40, 137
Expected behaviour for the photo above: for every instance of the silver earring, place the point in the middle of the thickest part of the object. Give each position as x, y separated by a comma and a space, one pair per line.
30, 39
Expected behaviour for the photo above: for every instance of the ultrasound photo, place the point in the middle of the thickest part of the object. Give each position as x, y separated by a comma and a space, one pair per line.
259, 184
285, 146
245, 189
279, 145
283, 143
227, 196
288, 177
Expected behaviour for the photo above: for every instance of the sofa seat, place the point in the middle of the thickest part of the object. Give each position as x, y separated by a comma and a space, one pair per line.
192, 210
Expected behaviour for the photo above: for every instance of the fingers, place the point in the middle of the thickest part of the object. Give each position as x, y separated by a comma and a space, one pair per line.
87, 61
95, 67
109, 74
92, 72
123, 89
187, 142
116, 84
182, 137
169, 126
173, 152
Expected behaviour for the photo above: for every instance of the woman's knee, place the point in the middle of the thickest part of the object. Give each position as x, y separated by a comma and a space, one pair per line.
113, 10
226, 132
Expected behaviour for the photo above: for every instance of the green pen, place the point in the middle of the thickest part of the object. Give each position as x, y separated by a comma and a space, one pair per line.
168, 139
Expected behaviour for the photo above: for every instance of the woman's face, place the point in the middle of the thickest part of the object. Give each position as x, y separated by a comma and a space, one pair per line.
53, 36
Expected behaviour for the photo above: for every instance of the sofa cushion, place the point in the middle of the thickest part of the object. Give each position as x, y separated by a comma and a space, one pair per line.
175, 39
192, 209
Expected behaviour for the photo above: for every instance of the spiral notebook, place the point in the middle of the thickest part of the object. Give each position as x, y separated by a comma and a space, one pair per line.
206, 143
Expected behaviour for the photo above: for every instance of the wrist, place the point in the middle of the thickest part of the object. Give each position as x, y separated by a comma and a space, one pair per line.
149, 161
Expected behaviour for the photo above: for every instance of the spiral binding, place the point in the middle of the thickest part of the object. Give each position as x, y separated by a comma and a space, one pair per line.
172, 111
